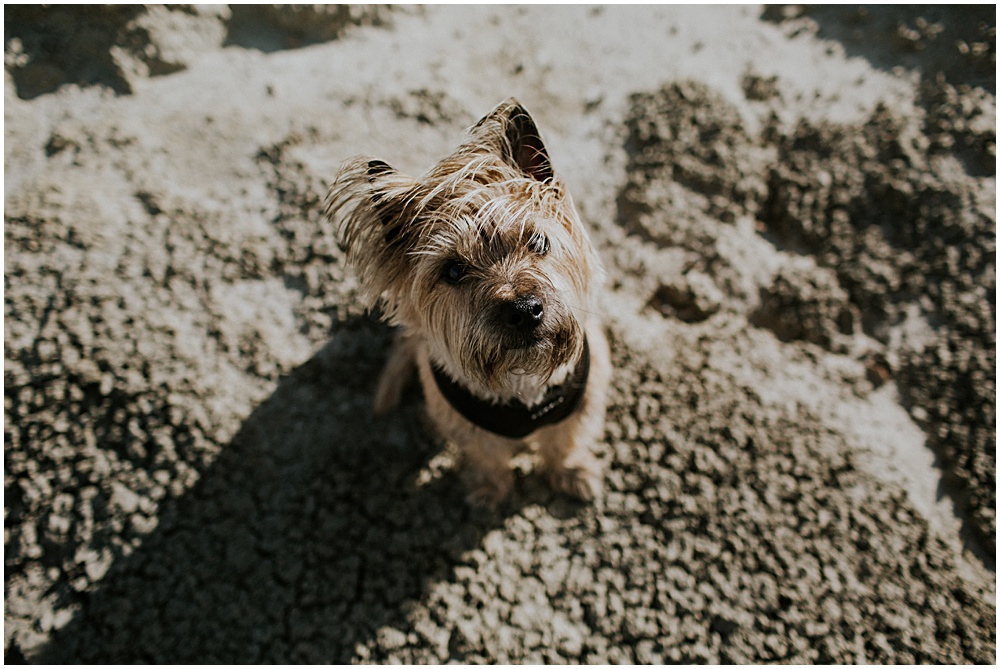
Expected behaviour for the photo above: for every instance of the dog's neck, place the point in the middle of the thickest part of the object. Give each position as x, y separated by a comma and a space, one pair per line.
514, 418
520, 387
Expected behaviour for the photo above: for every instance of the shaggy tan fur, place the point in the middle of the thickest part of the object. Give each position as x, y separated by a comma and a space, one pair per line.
485, 266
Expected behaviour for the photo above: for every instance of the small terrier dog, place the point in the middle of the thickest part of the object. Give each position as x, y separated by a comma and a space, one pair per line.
485, 266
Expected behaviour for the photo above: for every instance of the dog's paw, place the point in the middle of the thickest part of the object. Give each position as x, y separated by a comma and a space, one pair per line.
581, 480
488, 489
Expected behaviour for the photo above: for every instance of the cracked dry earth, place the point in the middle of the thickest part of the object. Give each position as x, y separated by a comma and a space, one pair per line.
797, 212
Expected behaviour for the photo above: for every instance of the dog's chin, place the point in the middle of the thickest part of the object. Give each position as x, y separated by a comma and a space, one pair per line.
529, 343
528, 358
518, 357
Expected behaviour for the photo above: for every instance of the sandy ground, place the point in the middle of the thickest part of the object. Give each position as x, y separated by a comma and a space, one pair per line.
797, 212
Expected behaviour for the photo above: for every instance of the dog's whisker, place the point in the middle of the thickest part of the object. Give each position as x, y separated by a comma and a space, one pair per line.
588, 311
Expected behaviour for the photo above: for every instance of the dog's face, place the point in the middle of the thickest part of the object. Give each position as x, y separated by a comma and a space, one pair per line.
484, 257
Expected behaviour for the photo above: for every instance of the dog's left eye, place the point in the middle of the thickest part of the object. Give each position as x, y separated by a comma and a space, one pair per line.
539, 244
453, 272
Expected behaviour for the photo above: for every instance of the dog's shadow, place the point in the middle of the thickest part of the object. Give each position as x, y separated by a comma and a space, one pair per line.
308, 534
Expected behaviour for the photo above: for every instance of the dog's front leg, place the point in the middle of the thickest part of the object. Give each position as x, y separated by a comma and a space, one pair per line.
486, 469
565, 448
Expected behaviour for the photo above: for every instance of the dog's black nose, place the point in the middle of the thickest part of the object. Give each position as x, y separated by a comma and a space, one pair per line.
523, 314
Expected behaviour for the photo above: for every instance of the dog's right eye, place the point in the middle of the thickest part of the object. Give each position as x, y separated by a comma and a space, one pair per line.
453, 272
539, 244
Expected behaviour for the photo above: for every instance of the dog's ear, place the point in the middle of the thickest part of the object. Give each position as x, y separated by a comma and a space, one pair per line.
373, 206
517, 139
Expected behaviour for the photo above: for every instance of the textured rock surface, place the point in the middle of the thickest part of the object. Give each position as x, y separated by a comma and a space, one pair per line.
800, 459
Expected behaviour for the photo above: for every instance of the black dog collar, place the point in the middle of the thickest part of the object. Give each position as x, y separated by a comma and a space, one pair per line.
514, 419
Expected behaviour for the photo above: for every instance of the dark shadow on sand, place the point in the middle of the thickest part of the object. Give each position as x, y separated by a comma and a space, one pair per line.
923, 38
306, 535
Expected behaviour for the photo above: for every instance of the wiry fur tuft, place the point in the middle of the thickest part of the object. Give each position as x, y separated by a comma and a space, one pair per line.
375, 207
